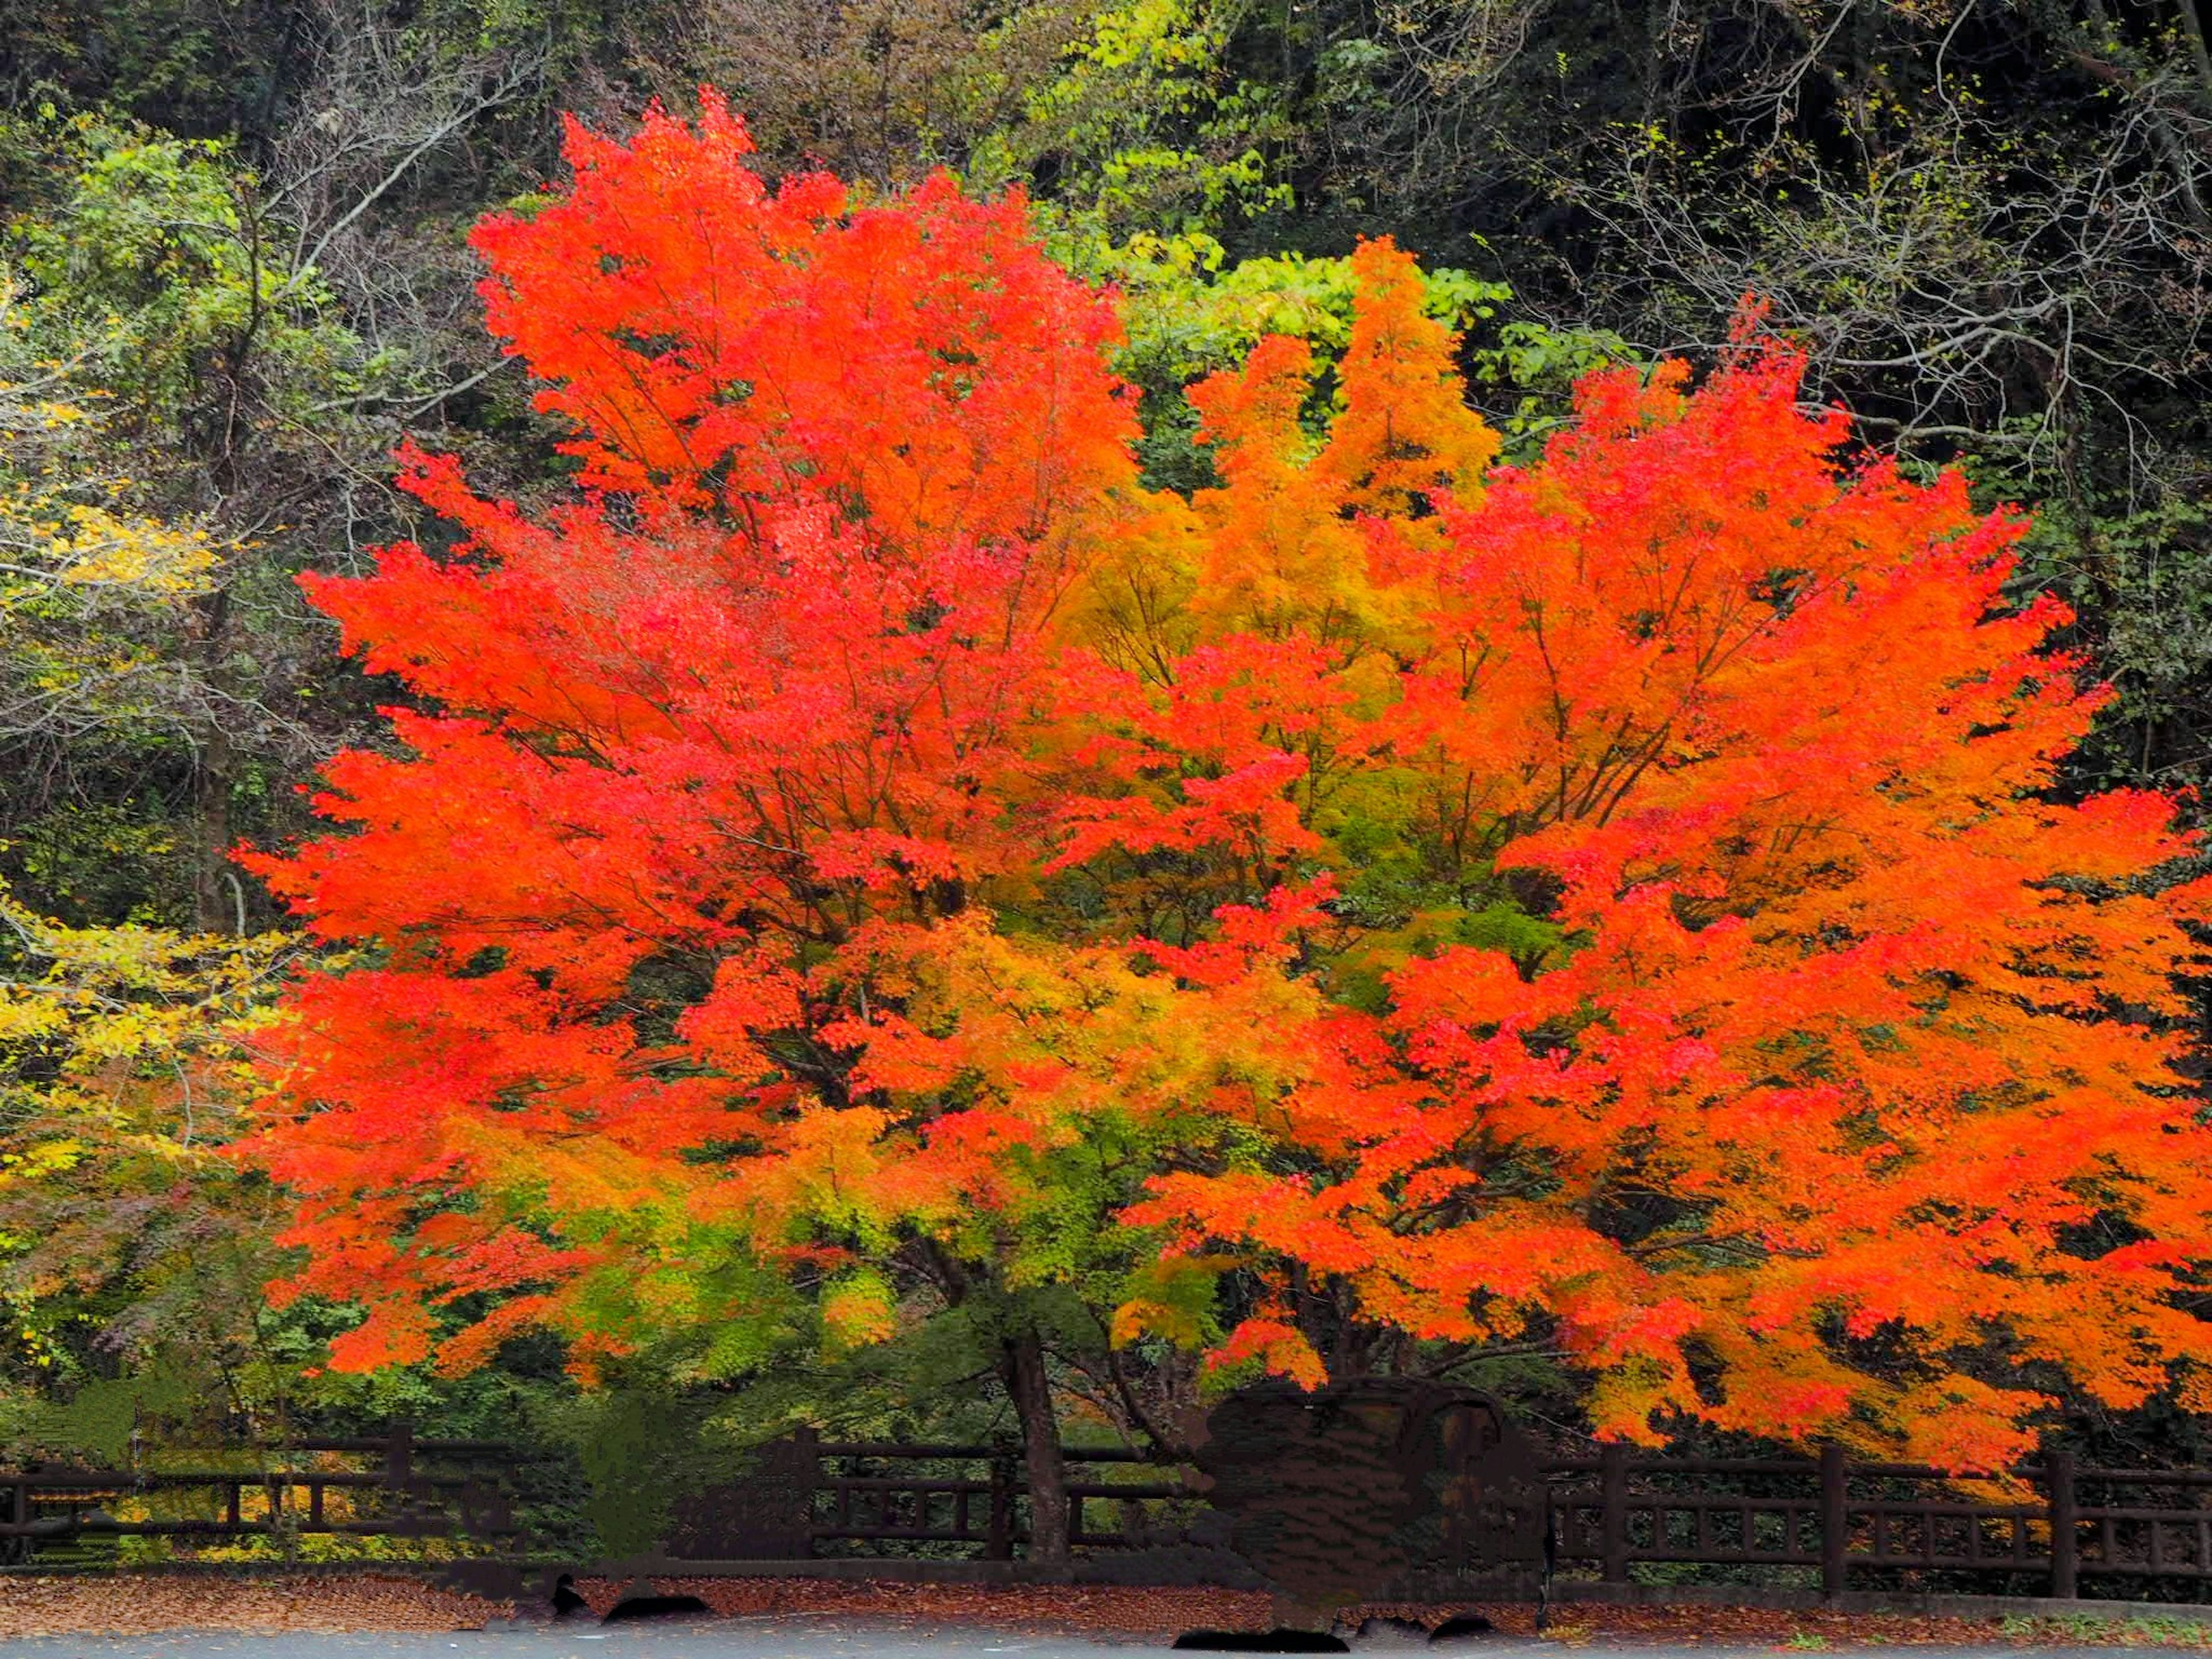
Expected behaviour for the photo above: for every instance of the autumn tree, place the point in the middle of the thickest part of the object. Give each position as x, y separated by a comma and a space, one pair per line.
852, 459
123, 1230
129, 1238
866, 857
1713, 988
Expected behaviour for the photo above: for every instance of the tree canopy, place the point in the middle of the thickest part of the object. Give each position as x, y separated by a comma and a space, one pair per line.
864, 849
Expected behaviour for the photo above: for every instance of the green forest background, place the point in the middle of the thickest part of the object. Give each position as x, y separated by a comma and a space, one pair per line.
233, 278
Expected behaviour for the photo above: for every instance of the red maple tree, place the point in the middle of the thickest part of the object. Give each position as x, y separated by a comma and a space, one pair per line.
1427, 909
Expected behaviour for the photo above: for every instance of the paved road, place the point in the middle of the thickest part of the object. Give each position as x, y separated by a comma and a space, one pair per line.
778, 1639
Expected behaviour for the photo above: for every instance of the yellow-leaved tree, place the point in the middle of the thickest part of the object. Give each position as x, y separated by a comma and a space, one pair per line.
128, 1239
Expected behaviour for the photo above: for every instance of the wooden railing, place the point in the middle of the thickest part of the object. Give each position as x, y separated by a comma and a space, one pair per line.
2049, 1528
983, 1508
399, 1498
2060, 1524
2046, 1528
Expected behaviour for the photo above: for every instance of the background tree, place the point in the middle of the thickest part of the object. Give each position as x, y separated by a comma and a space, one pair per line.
127, 1235
189, 412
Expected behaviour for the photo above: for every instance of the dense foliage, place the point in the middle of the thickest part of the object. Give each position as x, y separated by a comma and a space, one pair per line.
868, 851
236, 279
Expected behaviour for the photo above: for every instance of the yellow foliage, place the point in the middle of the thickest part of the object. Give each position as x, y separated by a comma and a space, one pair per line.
92, 546
90, 590
859, 1309
1292, 541
123, 1058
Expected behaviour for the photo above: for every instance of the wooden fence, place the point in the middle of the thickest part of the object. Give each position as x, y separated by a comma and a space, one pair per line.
455, 1496
864, 1499
2054, 1528
2059, 1525
2046, 1529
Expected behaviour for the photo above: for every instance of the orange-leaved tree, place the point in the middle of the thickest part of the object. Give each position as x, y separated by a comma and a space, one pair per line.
689, 766
1718, 990
867, 855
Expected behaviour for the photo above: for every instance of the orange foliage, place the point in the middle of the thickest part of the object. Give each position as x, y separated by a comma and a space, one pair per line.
1619, 906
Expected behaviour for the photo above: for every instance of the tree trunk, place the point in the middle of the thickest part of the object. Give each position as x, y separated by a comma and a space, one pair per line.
2200, 50
215, 902
1031, 1392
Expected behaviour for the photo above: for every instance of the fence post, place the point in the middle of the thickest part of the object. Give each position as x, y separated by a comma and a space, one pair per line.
999, 1544
806, 1454
1835, 1522
2065, 1531
399, 1455
1613, 1514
